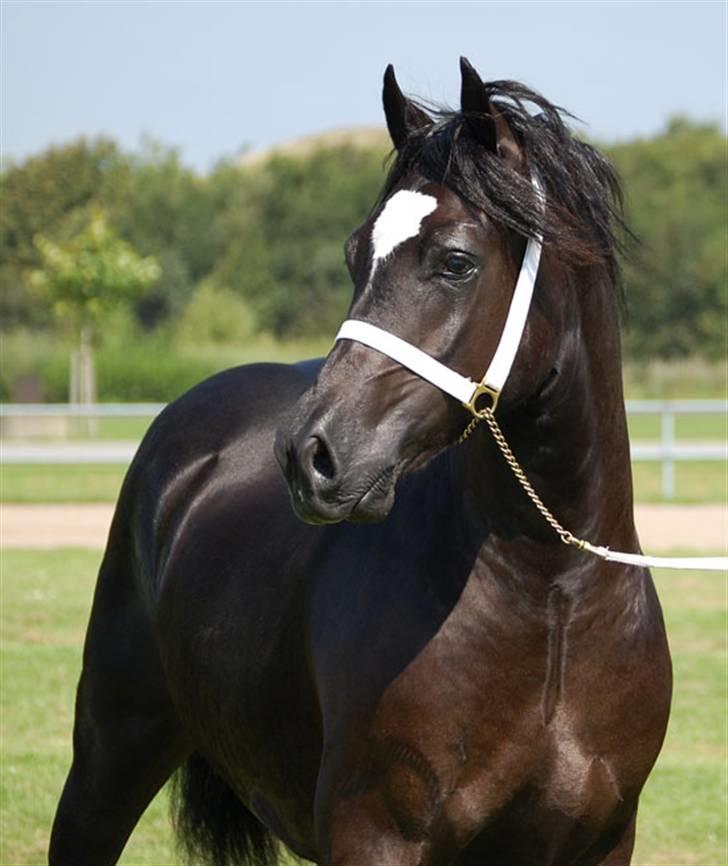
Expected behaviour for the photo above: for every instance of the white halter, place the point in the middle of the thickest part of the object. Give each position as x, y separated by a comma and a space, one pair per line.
447, 380
469, 392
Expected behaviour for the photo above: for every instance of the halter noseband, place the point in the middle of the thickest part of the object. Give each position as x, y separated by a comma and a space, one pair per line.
460, 387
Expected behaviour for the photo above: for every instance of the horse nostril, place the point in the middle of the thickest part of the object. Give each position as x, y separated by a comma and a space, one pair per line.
322, 463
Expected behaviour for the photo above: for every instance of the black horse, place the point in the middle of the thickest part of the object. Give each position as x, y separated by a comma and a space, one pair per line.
451, 684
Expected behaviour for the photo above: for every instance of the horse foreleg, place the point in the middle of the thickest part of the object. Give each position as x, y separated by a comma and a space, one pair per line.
621, 854
123, 754
371, 828
126, 737
362, 837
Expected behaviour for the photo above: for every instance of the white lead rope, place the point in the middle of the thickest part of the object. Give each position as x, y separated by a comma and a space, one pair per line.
702, 563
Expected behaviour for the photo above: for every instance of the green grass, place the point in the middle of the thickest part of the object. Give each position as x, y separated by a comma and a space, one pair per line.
61, 483
696, 482
684, 808
681, 379
45, 602
84, 429
690, 427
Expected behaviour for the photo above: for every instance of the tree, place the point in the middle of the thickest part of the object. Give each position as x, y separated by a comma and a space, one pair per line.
37, 198
273, 231
153, 201
282, 235
676, 280
164, 209
84, 279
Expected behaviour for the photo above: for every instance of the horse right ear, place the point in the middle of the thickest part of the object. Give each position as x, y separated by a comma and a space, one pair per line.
403, 116
486, 121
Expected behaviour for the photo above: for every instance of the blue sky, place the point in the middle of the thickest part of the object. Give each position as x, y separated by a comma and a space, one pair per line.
211, 77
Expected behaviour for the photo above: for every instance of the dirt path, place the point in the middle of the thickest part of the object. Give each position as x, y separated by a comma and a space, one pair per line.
661, 527
45, 526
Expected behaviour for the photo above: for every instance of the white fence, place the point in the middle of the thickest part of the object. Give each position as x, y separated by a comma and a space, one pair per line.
23, 425
667, 450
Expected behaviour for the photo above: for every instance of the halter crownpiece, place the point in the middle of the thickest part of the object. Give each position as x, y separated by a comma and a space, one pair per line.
461, 387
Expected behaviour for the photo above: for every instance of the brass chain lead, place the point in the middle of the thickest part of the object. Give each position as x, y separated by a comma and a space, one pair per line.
505, 449
474, 421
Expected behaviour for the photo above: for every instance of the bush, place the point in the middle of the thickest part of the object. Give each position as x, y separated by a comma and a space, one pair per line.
150, 372
282, 236
145, 370
26, 354
214, 316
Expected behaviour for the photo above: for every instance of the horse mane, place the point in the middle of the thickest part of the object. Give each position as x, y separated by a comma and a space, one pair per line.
583, 219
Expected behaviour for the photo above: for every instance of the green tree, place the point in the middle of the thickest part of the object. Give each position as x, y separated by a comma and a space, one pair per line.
282, 235
677, 278
163, 209
86, 278
272, 232
154, 202
37, 197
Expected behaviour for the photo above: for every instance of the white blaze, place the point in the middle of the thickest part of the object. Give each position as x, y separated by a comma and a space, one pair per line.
400, 220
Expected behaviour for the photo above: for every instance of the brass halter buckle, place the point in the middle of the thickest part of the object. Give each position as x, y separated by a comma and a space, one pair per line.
480, 389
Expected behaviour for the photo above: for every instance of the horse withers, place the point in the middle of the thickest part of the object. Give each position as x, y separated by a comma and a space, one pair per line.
418, 671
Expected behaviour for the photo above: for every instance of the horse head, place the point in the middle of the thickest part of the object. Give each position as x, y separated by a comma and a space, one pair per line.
435, 264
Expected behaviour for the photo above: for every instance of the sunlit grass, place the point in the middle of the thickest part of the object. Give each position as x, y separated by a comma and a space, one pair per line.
60, 483
689, 427
684, 808
695, 482
45, 602
679, 379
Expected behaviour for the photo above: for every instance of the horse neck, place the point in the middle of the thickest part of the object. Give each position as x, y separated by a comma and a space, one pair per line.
571, 440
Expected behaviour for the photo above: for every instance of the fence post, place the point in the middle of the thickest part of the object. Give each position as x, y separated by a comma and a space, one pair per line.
667, 425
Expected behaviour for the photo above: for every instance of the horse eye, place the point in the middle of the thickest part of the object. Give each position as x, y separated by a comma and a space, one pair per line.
458, 266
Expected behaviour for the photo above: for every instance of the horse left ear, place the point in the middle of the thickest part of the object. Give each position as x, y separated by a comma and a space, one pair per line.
403, 116
486, 122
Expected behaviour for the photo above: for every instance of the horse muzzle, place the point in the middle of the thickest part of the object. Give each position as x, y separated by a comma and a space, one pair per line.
322, 491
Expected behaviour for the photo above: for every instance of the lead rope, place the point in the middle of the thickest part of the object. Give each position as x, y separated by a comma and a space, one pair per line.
709, 563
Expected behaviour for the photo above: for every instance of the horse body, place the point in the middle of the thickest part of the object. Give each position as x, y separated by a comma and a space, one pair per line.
449, 686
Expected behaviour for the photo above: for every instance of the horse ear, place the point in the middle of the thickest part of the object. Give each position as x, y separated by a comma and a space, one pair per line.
403, 116
486, 122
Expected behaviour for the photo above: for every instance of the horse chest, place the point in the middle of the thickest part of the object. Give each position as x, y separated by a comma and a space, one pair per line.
516, 733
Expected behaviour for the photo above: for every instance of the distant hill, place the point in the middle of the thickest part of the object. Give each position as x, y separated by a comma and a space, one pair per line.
366, 137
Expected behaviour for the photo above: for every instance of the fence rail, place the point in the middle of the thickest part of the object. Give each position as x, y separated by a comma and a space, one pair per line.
668, 451
80, 410
15, 417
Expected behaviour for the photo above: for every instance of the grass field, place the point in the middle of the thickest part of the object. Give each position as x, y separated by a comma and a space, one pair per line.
62, 483
695, 482
45, 601
641, 426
